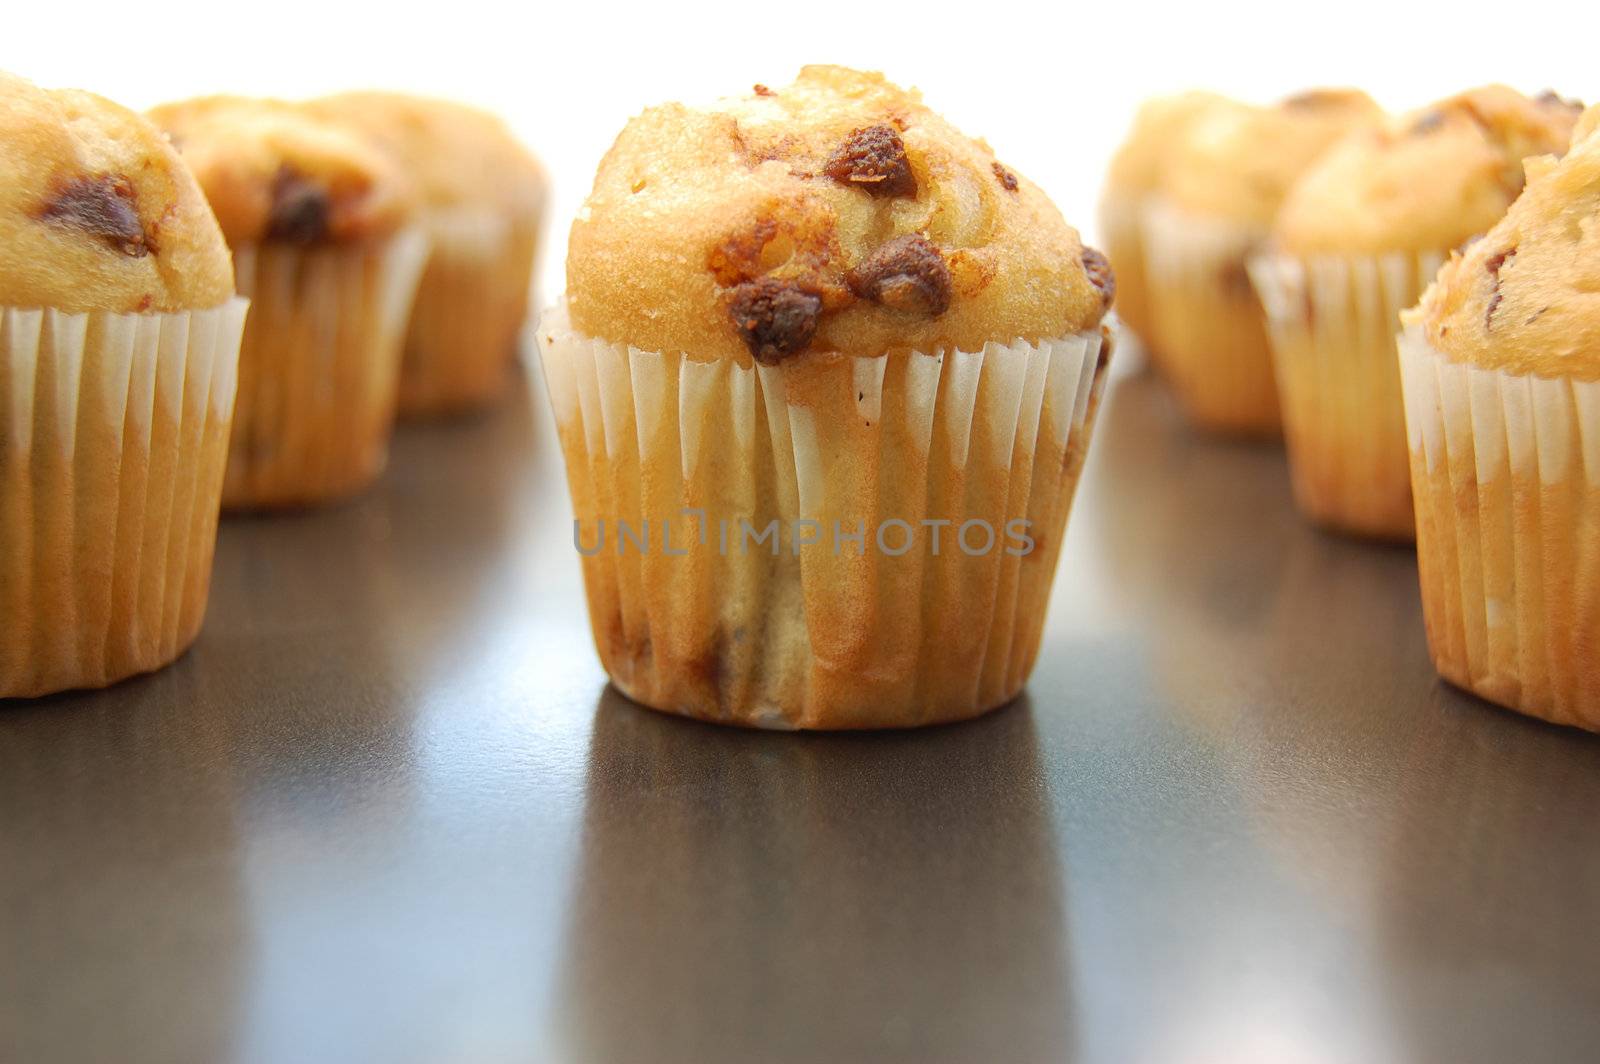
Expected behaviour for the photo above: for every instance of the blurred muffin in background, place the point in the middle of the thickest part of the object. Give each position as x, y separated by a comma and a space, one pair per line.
326, 244
1135, 178
1358, 239
119, 337
1230, 172
483, 197
1500, 369
823, 314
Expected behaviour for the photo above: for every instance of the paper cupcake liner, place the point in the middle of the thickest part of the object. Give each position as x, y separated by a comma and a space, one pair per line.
1506, 471
1332, 321
817, 630
318, 368
1121, 223
467, 319
1208, 322
113, 435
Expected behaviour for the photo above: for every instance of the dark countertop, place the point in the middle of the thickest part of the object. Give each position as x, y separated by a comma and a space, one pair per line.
386, 810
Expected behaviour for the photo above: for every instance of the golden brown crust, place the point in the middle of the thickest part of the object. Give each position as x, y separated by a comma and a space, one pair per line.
97, 212
1426, 181
1526, 297
1140, 165
274, 170
799, 190
459, 156
1238, 161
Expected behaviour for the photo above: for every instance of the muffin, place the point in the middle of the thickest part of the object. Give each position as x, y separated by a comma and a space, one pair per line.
1229, 174
119, 342
1135, 178
482, 203
1358, 238
326, 245
1500, 370
824, 377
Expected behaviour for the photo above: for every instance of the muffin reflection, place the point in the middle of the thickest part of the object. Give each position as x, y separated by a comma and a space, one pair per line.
1487, 893
125, 934
721, 870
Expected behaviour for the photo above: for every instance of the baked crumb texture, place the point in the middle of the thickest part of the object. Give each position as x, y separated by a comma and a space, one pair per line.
97, 212
1426, 181
834, 214
1525, 298
277, 171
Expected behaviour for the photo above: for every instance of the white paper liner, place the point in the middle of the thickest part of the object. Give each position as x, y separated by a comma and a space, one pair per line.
471, 304
113, 434
1207, 321
319, 367
1332, 322
1506, 472
813, 638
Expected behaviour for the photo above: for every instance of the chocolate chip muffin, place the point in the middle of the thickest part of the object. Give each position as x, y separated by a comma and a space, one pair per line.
1137, 174
326, 244
1500, 368
1230, 172
824, 377
1358, 238
483, 199
119, 338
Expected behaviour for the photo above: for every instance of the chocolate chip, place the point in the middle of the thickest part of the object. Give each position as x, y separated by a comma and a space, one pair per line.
775, 318
1008, 180
907, 273
873, 159
1098, 267
1314, 98
1555, 99
299, 209
762, 90
1494, 264
1233, 278
101, 206
1426, 124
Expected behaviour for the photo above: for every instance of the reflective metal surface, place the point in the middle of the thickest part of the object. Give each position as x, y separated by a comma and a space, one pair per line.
386, 810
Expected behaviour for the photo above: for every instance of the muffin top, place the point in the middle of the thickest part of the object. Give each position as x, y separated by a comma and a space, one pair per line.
274, 170
1141, 163
1237, 161
97, 212
1427, 181
835, 214
1526, 297
457, 155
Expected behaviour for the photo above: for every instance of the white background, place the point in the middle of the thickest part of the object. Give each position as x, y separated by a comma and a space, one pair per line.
1051, 88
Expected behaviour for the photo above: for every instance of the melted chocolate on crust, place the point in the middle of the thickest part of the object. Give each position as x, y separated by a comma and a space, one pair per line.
775, 318
299, 209
1553, 98
1494, 265
1313, 98
907, 273
873, 159
101, 206
1426, 123
1098, 267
